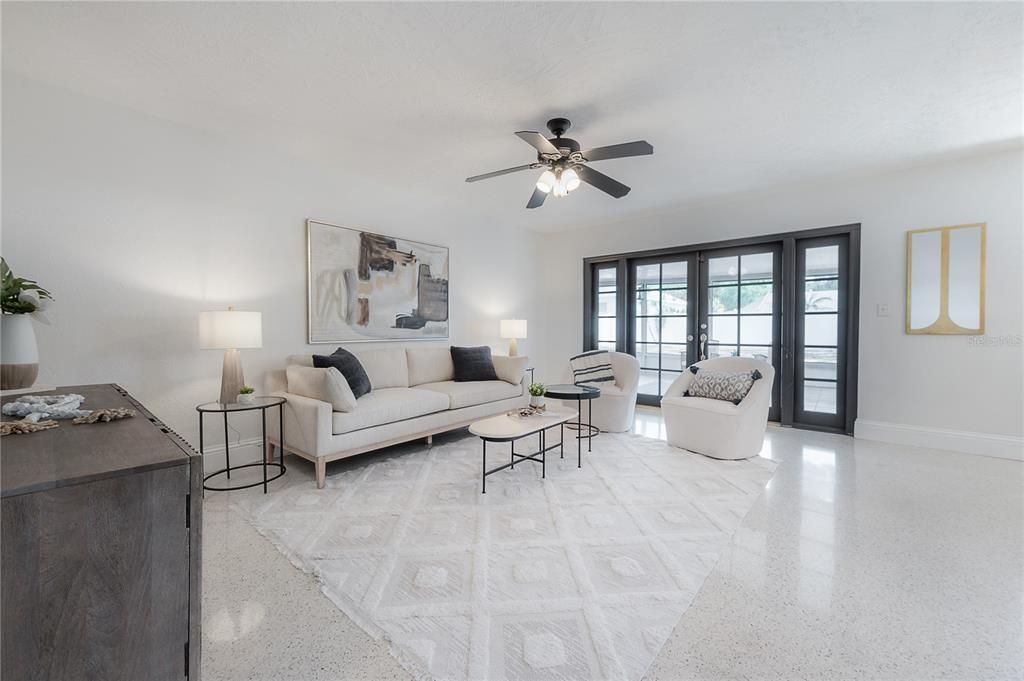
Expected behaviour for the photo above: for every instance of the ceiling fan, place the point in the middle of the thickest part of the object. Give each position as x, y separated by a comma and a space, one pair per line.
565, 166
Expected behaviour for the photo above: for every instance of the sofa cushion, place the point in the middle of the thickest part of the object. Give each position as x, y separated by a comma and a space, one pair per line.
349, 366
510, 369
387, 405
468, 393
326, 385
387, 368
702, 403
430, 365
473, 364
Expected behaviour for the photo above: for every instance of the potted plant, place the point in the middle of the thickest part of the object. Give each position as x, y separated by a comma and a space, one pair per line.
537, 391
246, 394
19, 355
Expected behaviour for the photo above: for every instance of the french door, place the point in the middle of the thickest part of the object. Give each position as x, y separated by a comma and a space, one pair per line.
789, 300
740, 308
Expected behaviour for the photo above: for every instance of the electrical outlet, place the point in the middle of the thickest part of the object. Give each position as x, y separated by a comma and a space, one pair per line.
882, 310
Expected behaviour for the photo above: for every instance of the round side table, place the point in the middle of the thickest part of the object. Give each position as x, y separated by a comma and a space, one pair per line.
580, 393
262, 404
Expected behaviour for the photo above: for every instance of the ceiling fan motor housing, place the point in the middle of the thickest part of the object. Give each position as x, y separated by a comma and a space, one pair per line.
559, 126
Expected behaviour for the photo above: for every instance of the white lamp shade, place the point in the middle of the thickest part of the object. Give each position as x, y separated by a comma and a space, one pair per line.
513, 328
227, 329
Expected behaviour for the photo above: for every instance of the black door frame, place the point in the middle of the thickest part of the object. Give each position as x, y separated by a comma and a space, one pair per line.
787, 381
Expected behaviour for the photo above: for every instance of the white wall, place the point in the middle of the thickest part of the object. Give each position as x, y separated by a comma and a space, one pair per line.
947, 383
136, 225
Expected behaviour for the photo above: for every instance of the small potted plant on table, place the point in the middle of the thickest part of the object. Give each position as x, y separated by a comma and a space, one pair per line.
246, 394
537, 391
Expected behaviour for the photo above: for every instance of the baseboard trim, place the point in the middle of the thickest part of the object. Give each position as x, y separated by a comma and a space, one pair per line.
982, 444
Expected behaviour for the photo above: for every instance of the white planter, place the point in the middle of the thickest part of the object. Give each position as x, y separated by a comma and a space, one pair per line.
247, 398
19, 354
536, 400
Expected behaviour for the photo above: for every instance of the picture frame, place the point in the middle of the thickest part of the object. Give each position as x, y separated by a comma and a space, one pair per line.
368, 287
946, 280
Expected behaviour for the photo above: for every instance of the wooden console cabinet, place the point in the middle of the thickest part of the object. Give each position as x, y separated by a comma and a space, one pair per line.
100, 561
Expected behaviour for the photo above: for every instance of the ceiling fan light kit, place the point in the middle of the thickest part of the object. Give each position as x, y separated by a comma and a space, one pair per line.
565, 165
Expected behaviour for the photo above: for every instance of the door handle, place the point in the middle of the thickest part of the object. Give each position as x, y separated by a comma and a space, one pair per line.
703, 346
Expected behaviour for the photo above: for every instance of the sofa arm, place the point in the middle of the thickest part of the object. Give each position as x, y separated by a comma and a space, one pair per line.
307, 424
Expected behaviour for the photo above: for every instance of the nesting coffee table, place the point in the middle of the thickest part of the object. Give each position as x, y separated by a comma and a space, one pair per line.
509, 428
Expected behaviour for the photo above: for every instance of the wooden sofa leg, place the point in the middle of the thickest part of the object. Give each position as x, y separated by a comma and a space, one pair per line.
430, 439
321, 473
270, 449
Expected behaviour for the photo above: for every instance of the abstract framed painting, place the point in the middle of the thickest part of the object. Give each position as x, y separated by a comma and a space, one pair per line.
370, 287
946, 280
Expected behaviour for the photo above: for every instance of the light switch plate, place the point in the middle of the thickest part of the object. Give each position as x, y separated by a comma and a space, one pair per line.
882, 310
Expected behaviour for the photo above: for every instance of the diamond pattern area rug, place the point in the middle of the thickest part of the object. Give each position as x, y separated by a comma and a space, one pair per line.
582, 575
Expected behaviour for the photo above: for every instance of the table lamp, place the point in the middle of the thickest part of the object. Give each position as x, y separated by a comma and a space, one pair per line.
230, 330
513, 329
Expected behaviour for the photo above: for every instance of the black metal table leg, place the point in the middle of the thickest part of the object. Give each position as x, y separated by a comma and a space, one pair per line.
561, 440
483, 478
543, 454
227, 455
263, 415
280, 432
579, 433
201, 450
590, 425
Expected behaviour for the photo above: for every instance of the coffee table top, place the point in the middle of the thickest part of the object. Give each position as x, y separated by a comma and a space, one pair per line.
568, 391
504, 428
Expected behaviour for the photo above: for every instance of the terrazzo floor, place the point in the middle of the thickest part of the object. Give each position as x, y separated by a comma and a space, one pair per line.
862, 560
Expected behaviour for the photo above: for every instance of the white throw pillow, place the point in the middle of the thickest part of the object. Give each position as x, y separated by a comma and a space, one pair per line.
510, 369
326, 385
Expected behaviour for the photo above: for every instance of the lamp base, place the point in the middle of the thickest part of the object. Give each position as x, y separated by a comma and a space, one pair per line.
513, 347
231, 380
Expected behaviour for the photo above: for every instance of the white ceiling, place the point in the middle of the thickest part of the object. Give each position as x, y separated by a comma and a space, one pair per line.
734, 97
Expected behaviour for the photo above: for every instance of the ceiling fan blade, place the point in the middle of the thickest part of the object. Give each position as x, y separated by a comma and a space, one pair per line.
537, 200
496, 173
641, 148
539, 142
602, 181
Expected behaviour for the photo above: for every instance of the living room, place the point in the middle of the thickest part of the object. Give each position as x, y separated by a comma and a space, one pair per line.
336, 257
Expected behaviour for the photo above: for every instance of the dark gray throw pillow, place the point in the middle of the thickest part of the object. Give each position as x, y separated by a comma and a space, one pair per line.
473, 364
349, 366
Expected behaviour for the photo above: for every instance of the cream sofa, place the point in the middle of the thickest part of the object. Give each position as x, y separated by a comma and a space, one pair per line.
715, 428
413, 396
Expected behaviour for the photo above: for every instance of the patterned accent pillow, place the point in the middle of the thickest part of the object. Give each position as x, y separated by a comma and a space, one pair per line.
592, 367
731, 386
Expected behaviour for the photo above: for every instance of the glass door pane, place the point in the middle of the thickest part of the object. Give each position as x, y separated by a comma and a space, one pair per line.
660, 326
820, 332
741, 313
606, 314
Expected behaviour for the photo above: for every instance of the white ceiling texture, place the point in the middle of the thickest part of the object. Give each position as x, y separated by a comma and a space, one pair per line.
734, 97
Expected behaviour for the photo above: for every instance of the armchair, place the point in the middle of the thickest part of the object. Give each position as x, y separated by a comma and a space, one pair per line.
614, 409
715, 428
